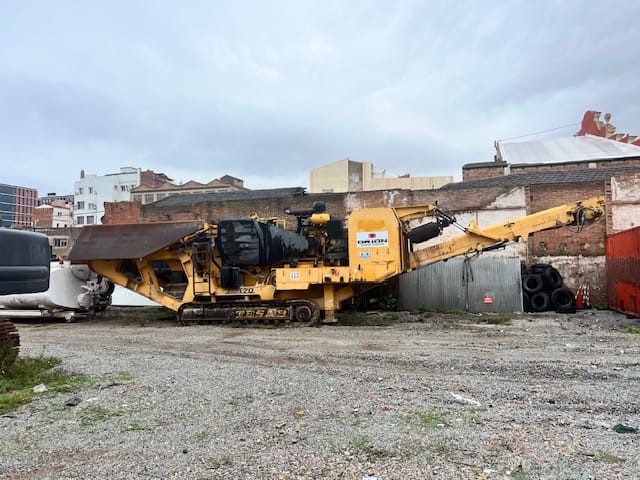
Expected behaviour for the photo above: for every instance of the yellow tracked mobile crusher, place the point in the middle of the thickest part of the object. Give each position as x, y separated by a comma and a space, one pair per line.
247, 269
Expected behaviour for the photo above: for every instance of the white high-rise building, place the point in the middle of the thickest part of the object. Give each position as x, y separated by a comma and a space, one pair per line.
92, 191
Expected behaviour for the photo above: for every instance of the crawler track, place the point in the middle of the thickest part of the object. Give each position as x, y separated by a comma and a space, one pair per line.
287, 312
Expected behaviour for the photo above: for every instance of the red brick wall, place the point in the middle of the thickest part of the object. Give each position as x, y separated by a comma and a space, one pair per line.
42, 217
465, 200
132, 212
563, 167
339, 205
480, 173
121, 213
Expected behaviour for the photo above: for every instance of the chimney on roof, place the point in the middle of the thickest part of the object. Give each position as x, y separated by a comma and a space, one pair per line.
82, 173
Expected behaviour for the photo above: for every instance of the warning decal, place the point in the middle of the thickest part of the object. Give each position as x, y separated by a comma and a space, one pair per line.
372, 239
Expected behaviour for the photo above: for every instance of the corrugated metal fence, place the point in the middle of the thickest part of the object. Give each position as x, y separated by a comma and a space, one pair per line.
478, 284
623, 271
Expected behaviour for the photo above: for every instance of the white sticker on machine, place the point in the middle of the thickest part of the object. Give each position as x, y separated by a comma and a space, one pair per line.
372, 239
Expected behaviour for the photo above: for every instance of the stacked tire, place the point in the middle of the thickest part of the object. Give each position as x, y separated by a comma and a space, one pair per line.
9, 343
542, 290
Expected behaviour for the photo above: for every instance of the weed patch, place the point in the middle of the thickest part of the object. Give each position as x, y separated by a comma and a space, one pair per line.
427, 309
388, 303
443, 448
425, 420
17, 381
610, 458
135, 426
364, 447
520, 475
7, 356
361, 319
497, 320
634, 330
92, 415
215, 463
473, 416
242, 400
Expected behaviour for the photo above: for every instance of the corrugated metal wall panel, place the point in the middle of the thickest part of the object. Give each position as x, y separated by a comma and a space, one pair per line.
623, 271
496, 285
433, 286
463, 285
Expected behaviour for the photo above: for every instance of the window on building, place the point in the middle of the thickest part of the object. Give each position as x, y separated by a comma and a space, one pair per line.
80, 205
80, 220
59, 242
160, 196
80, 191
90, 219
92, 206
148, 197
115, 187
137, 197
90, 189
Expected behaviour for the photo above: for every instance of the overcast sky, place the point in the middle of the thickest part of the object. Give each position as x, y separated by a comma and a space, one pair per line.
266, 91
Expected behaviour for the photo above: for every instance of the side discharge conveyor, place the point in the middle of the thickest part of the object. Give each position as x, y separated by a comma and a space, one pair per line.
252, 270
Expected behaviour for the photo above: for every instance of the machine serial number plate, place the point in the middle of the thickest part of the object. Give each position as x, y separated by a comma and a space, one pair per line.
243, 290
261, 313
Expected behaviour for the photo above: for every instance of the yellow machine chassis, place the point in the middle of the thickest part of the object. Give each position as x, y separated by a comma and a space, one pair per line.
378, 250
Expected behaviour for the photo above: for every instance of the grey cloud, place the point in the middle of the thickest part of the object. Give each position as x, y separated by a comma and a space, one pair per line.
268, 90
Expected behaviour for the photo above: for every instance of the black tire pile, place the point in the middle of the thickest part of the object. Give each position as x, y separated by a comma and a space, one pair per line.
542, 290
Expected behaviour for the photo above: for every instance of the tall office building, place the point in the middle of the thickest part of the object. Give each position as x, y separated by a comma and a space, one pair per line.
16, 205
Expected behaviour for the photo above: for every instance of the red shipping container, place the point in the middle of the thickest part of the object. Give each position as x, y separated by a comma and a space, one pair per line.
623, 271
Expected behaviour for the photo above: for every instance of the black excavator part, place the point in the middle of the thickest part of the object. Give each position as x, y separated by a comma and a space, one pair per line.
245, 241
425, 232
295, 312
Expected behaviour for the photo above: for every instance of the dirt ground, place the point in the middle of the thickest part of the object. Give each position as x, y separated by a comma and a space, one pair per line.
431, 396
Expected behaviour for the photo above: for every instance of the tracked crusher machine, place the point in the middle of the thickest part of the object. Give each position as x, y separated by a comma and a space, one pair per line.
246, 269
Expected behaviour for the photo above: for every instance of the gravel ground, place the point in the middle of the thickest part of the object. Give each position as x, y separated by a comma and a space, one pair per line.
393, 402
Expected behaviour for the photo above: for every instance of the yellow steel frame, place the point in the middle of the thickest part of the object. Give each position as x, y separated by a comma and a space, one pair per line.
476, 239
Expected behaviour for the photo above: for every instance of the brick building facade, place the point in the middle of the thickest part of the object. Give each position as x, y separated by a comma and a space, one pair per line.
156, 186
16, 205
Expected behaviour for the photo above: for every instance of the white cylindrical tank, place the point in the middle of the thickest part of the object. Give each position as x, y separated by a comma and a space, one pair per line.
71, 287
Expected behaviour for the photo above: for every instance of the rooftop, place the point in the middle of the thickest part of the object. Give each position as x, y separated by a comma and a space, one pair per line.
571, 149
545, 177
189, 199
